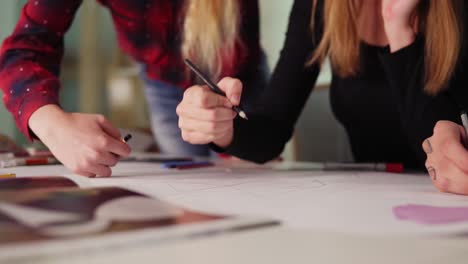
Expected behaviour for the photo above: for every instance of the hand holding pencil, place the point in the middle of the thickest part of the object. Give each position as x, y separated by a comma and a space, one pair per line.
87, 144
214, 88
447, 157
206, 116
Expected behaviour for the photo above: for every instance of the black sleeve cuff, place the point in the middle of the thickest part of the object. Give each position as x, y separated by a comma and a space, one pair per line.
216, 148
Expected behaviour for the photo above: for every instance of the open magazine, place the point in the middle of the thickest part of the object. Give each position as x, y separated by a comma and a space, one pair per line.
53, 215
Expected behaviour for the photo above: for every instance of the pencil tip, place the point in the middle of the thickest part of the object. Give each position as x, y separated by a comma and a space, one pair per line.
243, 115
127, 138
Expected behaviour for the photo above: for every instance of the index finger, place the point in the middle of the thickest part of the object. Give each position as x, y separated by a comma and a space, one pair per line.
107, 126
233, 89
454, 150
117, 147
202, 96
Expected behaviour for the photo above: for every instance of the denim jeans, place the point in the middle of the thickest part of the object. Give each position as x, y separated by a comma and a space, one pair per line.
163, 98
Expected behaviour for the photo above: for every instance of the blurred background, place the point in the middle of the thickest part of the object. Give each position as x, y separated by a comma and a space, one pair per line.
97, 78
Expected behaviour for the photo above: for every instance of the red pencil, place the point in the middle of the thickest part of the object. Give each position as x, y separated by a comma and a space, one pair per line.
194, 166
28, 162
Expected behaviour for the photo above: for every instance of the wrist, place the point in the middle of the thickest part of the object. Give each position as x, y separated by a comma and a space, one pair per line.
225, 141
42, 121
399, 36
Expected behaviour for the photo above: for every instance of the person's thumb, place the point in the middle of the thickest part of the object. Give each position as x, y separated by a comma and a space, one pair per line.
233, 89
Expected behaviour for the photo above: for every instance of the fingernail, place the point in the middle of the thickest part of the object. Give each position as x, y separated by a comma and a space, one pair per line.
432, 174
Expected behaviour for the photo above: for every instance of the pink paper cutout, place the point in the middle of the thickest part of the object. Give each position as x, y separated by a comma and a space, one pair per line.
431, 215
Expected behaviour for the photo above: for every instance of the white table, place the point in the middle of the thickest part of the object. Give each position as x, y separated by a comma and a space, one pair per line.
279, 246
327, 217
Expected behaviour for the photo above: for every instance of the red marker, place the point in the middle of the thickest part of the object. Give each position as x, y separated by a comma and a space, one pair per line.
337, 166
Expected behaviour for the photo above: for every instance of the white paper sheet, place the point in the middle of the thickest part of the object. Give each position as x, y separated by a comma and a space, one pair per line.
350, 202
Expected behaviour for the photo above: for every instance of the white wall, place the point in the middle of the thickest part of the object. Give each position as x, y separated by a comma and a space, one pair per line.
7, 22
319, 137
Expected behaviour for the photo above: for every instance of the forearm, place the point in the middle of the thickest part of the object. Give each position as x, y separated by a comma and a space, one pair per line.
258, 140
41, 120
399, 36
399, 22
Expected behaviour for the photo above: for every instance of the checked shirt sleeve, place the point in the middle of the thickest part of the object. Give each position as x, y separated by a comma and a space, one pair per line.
30, 58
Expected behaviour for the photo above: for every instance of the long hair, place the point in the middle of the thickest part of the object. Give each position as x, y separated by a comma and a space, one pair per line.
440, 22
210, 34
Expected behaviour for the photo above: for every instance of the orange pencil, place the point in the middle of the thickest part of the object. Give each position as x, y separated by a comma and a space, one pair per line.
7, 176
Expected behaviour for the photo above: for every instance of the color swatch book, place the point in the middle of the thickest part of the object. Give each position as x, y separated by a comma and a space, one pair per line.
52, 215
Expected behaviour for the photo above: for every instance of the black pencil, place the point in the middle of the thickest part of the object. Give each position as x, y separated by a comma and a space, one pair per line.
127, 138
213, 87
464, 118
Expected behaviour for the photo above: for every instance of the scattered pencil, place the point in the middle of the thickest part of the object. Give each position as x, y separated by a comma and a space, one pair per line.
186, 164
28, 162
7, 176
464, 118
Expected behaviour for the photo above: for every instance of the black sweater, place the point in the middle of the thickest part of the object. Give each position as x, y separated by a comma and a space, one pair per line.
384, 109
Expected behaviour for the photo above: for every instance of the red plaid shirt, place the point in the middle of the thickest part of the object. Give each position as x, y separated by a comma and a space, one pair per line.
30, 58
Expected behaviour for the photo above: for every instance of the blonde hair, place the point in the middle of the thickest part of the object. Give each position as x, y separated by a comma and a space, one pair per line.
439, 21
211, 32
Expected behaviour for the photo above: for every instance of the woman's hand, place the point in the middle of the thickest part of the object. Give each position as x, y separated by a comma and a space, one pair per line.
398, 16
447, 159
86, 144
206, 117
